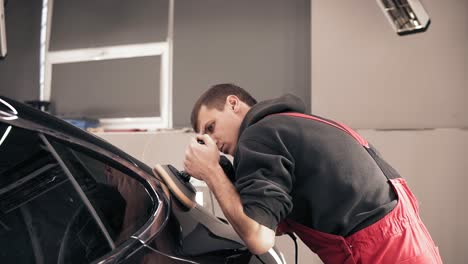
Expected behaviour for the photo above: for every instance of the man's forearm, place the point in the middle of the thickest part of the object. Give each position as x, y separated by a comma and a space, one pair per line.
258, 238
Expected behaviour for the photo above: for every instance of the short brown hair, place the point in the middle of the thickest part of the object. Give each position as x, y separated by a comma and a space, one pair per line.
215, 97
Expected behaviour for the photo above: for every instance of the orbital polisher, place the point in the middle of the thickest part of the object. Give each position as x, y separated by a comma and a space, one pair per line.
178, 182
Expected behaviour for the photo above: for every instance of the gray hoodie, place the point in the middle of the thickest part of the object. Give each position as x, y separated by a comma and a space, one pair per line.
306, 170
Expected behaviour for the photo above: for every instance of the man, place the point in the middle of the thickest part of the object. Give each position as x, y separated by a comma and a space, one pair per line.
305, 174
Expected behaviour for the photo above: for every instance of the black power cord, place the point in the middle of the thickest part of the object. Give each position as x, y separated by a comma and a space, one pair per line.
294, 238
263, 262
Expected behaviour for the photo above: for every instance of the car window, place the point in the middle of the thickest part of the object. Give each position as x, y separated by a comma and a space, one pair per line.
43, 219
120, 200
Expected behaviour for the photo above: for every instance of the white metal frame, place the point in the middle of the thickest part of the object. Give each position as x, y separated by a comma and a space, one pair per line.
3, 42
163, 49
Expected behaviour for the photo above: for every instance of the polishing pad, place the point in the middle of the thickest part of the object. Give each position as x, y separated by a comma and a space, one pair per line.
183, 191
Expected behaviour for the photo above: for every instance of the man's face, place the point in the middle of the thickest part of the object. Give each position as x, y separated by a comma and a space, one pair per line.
222, 126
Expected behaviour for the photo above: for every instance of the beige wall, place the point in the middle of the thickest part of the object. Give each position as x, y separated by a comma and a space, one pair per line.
152, 147
390, 87
365, 75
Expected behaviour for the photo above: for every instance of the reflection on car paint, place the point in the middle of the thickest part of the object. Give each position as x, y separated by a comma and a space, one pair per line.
59, 181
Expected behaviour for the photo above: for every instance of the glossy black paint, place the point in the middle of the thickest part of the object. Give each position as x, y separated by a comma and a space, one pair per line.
173, 234
31, 118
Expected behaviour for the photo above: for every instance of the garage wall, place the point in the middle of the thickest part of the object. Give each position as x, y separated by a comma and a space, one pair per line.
407, 95
19, 71
262, 45
365, 75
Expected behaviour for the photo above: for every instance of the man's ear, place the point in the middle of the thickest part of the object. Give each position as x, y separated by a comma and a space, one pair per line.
233, 102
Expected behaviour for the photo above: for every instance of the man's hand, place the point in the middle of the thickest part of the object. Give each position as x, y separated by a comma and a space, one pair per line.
201, 159
202, 162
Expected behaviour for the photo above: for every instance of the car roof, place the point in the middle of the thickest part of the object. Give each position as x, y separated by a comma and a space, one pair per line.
22, 115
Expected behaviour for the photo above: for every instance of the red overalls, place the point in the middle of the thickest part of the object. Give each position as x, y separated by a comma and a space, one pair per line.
399, 237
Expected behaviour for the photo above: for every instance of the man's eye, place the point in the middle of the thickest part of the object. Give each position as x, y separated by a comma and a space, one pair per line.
210, 128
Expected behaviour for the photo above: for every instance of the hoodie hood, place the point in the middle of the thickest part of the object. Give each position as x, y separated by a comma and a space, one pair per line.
285, 103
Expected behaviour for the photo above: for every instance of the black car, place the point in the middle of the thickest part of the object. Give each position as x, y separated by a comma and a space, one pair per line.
66, 196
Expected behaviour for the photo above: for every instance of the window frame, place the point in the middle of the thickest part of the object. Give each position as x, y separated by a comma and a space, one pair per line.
158, 217
149, 182
164, 49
